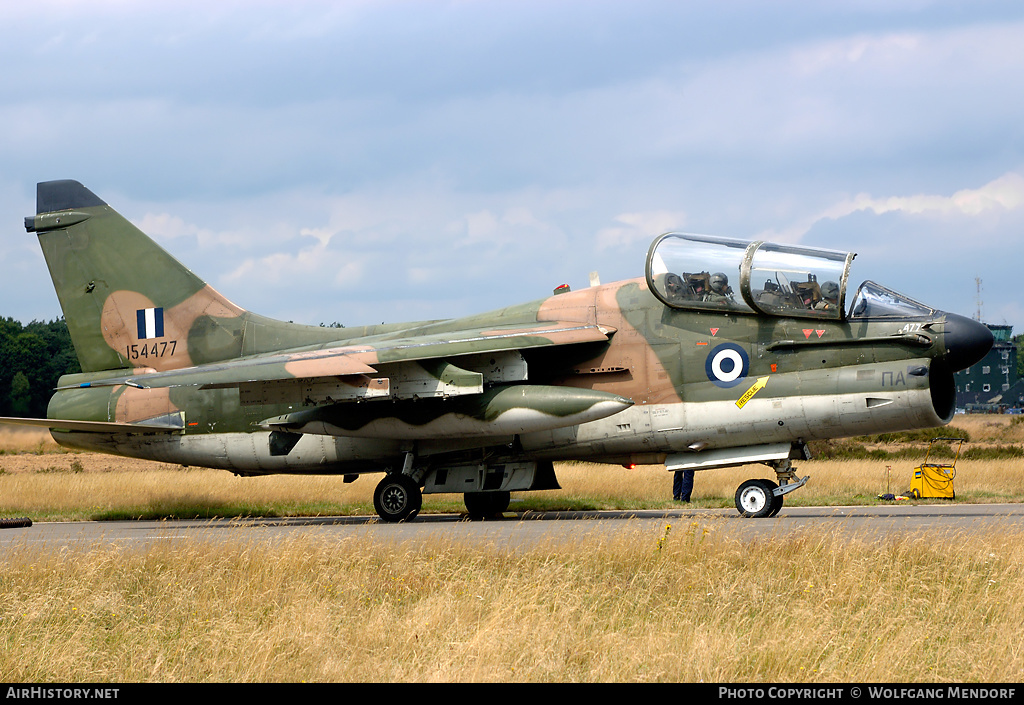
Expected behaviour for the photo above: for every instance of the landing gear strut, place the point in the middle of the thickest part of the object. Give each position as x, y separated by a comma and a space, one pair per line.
398, 496
763, 498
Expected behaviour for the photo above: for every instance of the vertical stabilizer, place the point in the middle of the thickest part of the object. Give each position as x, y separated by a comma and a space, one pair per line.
127, 302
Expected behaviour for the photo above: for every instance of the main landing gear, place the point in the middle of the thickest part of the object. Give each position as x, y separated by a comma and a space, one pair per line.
763, 498
482, 505
397, 498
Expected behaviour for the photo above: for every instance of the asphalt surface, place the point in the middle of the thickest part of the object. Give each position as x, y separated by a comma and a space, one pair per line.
521, 531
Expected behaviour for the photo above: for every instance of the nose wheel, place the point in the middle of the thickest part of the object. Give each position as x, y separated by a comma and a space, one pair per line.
763, 498
757, 498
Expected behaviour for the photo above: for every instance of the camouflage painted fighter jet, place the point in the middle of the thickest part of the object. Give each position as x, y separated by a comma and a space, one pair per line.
725, 353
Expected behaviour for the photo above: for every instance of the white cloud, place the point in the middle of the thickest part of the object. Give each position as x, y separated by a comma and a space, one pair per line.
634, 228
879, 52
480, 227
166, 226
1000, 195
309, 267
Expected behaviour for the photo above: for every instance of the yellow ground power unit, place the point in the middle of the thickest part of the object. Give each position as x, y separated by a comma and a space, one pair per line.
936, 479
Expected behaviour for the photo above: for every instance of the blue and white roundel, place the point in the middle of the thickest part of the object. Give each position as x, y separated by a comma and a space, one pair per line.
727, 365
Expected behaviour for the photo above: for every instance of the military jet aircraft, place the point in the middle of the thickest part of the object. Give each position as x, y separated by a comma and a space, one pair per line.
725, 353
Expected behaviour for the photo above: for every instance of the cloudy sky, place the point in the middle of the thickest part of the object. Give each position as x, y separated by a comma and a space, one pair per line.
362, 162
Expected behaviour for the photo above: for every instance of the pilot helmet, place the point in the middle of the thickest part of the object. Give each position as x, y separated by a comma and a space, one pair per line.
719, 282
673, 284
830, 291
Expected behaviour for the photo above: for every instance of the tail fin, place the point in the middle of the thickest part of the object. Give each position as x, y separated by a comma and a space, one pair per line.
128, 303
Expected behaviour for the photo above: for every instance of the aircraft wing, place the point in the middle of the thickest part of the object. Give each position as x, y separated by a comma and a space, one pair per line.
417, 365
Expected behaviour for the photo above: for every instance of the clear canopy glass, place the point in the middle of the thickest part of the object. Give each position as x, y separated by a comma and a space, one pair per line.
798, 281
876, 301
680, 269
709, 273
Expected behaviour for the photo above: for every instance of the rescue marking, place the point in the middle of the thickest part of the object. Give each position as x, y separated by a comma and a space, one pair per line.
714, 332
727, 365
754, 389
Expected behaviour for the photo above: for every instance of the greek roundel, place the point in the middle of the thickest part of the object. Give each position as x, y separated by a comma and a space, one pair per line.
727, 365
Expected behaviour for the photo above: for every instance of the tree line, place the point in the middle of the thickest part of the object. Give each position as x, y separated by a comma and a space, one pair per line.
32, 359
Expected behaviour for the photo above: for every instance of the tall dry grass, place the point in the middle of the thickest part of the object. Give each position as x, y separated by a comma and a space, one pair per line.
995, 428
25, 439
676, 604
57, 496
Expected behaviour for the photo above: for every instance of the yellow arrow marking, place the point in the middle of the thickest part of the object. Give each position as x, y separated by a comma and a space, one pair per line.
754, 389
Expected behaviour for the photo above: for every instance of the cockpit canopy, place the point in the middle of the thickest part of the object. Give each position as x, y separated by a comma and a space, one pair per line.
718, 274
701, 272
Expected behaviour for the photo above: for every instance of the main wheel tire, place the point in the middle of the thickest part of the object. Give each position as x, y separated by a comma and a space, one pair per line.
754, 499
776, 499
481, 505
397, 498
501, 501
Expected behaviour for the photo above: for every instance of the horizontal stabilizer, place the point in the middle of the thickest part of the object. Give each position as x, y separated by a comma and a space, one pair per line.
169, 424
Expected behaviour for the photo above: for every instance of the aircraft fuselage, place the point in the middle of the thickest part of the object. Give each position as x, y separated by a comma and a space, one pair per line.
698, 380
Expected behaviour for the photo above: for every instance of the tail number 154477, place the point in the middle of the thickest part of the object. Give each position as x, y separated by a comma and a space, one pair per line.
158, 348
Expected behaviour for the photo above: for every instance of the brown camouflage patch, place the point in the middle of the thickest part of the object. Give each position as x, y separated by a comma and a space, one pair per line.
629, 367
141, 404
333, 362
119, 322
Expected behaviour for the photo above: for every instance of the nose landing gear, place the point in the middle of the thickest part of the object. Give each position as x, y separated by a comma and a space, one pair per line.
759, 498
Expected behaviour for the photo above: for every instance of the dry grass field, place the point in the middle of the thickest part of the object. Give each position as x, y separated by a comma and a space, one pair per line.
41, 481
688, 604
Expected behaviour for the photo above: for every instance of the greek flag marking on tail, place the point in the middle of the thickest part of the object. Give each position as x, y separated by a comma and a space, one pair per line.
151, 323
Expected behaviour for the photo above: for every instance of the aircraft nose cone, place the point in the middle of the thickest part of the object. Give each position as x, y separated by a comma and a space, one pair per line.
966, 341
